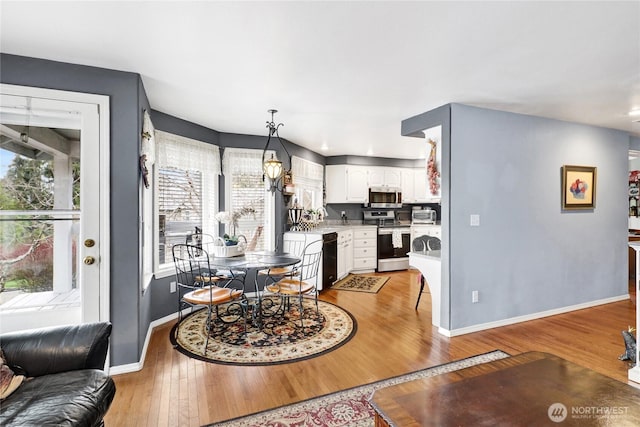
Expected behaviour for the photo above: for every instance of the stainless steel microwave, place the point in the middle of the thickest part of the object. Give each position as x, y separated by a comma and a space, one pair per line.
385, 197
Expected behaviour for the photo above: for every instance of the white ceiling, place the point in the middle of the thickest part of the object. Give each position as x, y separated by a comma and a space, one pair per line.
343, 75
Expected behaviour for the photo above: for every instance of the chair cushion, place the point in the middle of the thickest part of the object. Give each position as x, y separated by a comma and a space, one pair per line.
75, 398
288, 286
216, 296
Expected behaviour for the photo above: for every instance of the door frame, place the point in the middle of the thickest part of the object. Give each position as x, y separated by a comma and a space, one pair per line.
102, 104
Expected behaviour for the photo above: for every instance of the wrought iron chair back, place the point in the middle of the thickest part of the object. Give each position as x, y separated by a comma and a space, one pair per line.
199, 285
426, 243
310, 262
304, 283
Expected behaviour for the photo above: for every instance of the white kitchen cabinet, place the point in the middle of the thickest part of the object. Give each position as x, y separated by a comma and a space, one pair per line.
346, 184
408, 186
382, 176
420, 185
365, 246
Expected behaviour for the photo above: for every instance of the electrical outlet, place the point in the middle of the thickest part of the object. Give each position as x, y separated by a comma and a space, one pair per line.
172, 287
474, 220
342, 214
474, 297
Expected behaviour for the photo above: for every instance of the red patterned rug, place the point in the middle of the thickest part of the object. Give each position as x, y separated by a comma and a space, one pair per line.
348, 407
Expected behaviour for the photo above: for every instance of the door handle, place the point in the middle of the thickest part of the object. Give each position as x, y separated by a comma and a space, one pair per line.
88, 260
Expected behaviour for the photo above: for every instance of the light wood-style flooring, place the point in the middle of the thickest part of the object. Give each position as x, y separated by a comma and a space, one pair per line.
392, 339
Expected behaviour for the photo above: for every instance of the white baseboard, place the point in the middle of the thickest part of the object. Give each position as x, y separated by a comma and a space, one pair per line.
134, 367
528, 317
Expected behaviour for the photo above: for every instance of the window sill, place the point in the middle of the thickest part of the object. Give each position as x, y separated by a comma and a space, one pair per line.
164, 271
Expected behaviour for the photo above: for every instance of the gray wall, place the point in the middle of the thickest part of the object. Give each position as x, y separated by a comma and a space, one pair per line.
124, 91
634, 143
527, 255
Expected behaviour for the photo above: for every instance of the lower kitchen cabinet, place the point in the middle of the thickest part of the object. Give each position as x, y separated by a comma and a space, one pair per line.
365, 247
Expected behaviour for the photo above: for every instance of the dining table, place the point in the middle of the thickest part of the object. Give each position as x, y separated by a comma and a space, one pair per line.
249, 264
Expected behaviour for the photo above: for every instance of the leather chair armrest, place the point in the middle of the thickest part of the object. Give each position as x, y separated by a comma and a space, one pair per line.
57, 349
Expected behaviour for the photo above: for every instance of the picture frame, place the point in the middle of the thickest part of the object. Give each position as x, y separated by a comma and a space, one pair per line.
579, 187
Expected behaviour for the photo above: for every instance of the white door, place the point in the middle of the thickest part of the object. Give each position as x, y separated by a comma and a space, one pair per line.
53, 209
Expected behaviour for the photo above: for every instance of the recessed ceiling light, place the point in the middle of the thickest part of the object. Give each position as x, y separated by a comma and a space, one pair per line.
324, 147
635, 112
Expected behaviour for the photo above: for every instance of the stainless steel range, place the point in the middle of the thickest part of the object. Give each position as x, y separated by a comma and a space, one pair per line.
394, 239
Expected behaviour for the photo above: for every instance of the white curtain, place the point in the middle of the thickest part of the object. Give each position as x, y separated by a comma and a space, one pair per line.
307, 170
243, 161
308, 179
187, 154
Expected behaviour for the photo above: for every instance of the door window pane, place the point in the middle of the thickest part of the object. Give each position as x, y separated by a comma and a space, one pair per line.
39, 218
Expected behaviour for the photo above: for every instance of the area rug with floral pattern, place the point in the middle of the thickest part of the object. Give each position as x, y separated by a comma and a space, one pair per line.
276, 339
347, 407
361, 283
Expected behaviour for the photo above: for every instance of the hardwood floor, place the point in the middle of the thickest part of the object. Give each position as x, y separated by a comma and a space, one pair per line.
392, 339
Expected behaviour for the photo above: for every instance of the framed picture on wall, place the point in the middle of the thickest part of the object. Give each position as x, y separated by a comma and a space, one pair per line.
578, 187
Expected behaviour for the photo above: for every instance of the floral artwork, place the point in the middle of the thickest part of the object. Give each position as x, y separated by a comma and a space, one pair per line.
432, 169
578, 187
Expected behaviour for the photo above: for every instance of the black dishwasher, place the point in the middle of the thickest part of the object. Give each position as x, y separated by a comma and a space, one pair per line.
329, 259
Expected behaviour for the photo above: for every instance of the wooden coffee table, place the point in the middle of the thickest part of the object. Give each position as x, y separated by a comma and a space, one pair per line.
531, 389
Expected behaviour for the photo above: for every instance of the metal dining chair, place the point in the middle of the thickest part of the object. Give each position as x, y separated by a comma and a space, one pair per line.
292, 247
198, 285
205, 242
304, 283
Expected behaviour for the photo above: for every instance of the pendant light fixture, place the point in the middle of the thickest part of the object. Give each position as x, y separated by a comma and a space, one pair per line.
278, 178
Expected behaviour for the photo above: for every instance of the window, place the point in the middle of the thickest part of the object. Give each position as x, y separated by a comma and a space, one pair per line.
308, 179
244, 188
186, 175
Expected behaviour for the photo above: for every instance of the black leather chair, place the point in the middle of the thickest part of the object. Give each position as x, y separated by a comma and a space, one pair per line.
66, 384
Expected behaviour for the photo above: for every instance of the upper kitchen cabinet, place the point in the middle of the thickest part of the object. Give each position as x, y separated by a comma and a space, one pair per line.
421, 189
408, 186
380, 176
347, 184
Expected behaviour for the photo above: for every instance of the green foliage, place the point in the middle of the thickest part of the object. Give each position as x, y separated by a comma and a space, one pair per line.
35, 280
28, 185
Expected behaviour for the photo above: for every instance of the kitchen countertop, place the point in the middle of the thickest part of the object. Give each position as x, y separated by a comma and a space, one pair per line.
335, 228
427, 254
330, 228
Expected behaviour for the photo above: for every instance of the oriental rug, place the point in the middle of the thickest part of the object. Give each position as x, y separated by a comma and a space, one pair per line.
361, 283
280, 339
347, 407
